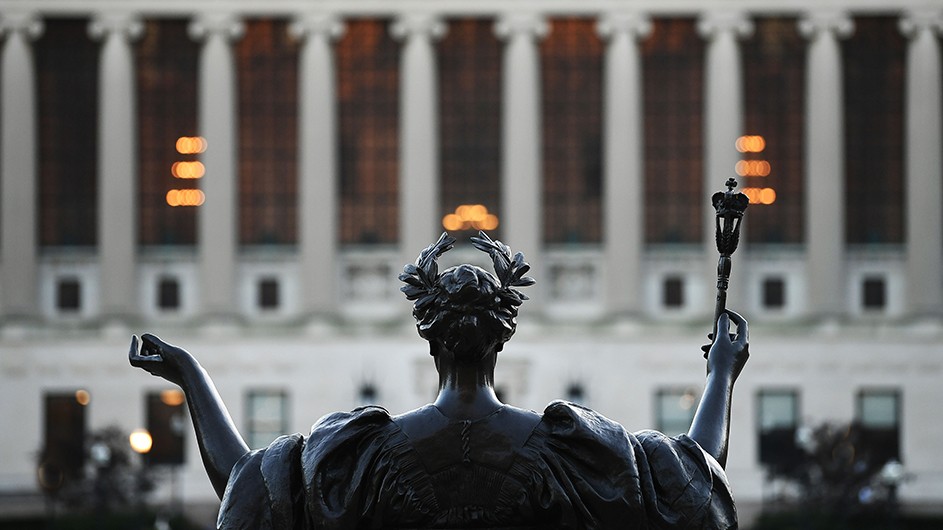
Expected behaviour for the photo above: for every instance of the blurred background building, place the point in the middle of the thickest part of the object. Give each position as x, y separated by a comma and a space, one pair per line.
246, 179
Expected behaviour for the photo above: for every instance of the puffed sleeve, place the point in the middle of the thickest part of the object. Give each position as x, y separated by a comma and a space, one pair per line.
588, 472
325, 481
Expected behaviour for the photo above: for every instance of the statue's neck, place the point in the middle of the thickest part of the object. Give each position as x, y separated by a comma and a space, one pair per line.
466, 391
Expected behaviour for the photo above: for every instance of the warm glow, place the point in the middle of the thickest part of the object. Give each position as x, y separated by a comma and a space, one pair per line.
171, 398
452, 222
469, 216
490, 222
83, 397
191, 145
760, 195
187, 197
767, 196
751, 144
753, 168
141, 441
188, 170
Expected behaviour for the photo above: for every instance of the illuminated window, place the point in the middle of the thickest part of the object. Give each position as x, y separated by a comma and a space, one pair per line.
368, 105
267, 59
774, 107
874, 141
67, 82
166, 59
267, 413
68, 294
469, 60
571, 70
878, 415
673, 66
166, 422
674, 410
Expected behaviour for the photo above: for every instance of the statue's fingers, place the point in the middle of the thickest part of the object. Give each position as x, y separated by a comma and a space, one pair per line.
133, 349
723, 325
150, 344
743, 329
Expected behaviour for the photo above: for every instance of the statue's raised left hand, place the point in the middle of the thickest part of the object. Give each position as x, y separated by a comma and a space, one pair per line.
160, 358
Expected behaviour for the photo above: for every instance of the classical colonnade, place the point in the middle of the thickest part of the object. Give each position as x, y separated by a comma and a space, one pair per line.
418, 177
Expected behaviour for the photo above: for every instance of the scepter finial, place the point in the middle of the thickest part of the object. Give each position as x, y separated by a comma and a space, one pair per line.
730, 206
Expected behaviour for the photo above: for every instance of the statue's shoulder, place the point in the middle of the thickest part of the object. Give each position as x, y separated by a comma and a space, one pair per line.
564, 417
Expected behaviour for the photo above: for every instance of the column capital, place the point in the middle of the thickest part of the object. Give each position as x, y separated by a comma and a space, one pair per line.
510, 25
127, 24
915, 21
227, 25
27, 22
712, 23
838, 23
636, 25
426, 25
318, 25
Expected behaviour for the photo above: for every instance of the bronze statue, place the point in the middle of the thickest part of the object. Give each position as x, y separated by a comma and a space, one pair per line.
467, 460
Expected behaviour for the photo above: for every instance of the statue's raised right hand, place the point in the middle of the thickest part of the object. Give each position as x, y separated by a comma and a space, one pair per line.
160, 358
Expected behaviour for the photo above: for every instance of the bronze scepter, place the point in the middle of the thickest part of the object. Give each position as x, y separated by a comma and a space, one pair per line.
730, 206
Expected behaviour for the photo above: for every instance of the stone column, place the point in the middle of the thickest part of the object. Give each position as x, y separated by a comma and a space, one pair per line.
521, 175
419, 212
723, 124
117, 162
623, 155
217, 123
317, 153
923, 164
825, 163
18, 172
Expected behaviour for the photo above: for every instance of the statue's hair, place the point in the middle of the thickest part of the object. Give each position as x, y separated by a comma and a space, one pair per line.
466, 308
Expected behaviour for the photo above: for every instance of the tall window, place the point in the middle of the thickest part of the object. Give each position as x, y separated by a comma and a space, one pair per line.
63, 454
166, 422
267, 413
571, 64
67, 72
470, 116
774, 93
878, 412
778, 419
368, 99
673, 66
267, 60
674, 410
874, 102
167, 109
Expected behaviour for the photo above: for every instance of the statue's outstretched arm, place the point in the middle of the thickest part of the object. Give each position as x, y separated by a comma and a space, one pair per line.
221, 445
726, 358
